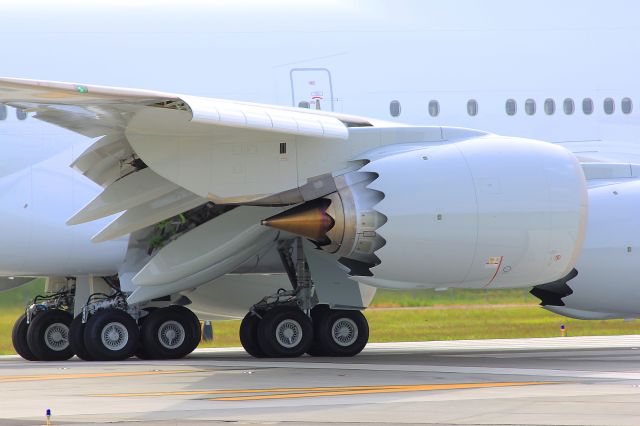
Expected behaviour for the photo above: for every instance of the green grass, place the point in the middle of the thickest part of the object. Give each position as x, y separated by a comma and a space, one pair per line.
19, 297
390, 298
483, 323
447, 319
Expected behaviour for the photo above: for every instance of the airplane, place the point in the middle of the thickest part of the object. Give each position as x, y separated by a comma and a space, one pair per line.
279, 162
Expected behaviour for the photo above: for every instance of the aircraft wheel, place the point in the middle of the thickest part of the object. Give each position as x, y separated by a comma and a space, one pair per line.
342, 332
48, 335
111, 335
19, 339
76, 339
170, 333
195, 322
140, 352
249, 335
285, 332
316, 348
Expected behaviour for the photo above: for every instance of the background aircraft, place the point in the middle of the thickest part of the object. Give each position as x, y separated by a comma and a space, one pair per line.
217, 192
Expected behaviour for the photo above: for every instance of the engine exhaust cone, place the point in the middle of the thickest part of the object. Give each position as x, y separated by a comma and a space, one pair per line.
309, 220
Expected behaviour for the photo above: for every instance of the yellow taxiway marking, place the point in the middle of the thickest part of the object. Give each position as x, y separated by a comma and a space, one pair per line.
277, 393
224, 391
394, 389
4, 379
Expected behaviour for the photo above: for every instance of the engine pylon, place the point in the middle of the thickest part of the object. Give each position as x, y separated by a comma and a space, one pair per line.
309, 220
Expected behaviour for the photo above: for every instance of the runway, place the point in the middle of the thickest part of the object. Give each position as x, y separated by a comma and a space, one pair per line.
568, 381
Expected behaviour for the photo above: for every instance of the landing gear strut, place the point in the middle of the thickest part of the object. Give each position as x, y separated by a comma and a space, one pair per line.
291, 323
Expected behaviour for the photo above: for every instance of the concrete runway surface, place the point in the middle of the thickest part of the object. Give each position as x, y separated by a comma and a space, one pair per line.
557, 381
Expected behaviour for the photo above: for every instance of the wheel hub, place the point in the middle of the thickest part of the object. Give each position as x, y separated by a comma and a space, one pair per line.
289, 333
344, 332
114, 336
171, 334
56, 337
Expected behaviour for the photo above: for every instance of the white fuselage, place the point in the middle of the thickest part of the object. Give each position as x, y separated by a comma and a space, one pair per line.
414, 62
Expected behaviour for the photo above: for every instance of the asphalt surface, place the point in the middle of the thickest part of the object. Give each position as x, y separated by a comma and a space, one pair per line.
559, 381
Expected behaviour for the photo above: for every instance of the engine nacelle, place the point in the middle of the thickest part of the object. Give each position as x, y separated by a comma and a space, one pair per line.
608, 281
491, 211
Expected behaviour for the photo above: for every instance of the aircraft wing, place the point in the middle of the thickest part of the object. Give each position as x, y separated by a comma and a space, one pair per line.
159, 154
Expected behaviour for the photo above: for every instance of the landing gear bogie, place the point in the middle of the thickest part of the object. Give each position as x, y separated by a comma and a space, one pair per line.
286, 331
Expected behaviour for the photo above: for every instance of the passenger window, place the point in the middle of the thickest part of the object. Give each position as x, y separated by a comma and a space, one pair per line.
626, 105
434, 108
530, 106
587, 106
549, 106
21, 114
304, 104
3, 112
472, 107
609, 106
568, 106
394, 108
511, 107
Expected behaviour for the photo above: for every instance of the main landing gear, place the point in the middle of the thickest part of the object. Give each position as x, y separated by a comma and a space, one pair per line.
107, 329
292, 323
285, 331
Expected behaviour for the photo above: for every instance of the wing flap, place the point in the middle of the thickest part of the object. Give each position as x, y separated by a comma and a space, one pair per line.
149, 213
132, 190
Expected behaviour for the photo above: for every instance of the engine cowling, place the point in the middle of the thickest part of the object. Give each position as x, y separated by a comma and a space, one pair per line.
607, 283
490, 211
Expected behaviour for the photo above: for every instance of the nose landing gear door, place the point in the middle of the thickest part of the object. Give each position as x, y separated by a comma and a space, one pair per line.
311, 88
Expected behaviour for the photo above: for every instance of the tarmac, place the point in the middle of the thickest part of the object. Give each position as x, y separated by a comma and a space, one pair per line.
556, 381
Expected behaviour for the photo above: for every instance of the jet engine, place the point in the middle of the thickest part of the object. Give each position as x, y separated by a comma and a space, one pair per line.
606, 283
489, 211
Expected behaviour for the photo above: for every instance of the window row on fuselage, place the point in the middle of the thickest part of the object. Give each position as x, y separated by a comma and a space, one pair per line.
530, 106
4, 113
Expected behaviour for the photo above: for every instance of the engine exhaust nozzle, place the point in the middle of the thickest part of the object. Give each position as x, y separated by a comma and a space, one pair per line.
309, 220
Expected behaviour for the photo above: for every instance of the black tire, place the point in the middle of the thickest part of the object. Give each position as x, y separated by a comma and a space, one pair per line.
48, 335
111, 335
188, 313
277, 322
175, 319
249, 335
140, 352
316, 348
354, 339
19, 339
76, 339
